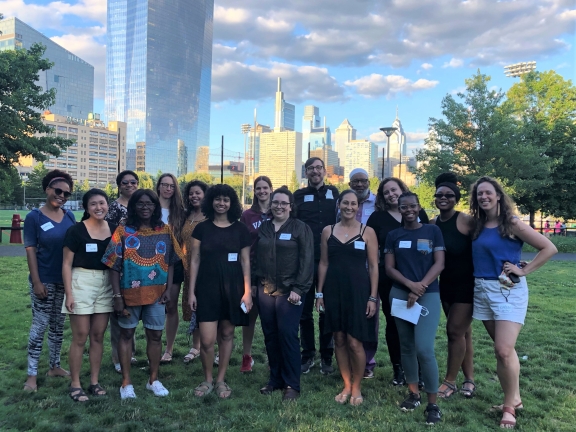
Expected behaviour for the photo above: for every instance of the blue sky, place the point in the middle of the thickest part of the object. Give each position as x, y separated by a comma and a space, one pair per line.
358, 59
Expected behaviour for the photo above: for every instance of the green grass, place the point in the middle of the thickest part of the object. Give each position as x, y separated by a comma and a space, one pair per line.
563, 244
548, 380
6, 221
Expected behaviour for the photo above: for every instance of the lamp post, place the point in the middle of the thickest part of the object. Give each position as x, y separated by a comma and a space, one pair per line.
388, 131
245, 129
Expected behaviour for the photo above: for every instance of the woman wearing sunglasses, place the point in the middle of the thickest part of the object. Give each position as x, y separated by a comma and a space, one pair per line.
127, 182
88, 300
44, 232
456, 286
414, 257
173, 215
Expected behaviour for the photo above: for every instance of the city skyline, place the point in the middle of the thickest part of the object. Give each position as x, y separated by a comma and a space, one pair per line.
389, 55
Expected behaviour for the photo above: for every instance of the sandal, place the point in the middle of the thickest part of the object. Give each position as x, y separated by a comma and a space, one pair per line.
96, 390
467, 392
508, 424
193, 354
342, 398
355, 401
166, 358
76, 393
449, 388
498, 408
203, 389
221, 388
29, 388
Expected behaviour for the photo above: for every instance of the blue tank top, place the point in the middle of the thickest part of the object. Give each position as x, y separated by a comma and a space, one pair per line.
490, 251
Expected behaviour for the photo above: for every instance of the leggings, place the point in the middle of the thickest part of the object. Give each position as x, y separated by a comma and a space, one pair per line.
46, 314
417, 341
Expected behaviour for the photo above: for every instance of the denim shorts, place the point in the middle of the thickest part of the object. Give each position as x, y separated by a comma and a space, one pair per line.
152, 316
493, 302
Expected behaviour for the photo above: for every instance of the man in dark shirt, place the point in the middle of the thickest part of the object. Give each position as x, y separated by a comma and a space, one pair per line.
317, 208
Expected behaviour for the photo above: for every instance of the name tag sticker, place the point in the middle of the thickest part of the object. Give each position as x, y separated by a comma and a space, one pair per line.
368, 212
329, 194
308, 198
47, 226
232, 257
405, 244
359, 245
91, 247
285, 236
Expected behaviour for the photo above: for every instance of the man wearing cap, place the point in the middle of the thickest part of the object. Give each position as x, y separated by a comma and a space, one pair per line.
316, 206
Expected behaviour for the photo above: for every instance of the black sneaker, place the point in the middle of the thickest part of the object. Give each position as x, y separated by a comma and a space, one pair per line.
421, 384
433, 414
306, 366
399, 379
411, 402
326, 367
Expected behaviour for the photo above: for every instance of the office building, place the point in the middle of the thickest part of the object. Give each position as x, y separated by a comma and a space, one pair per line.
97, 155
281, 157
202, 159
253, 162
310, 120
342, 136
330, 158
158, 76
285, 113
71, 77
182, 159
361, 154
141, 156
397, 139
131, 159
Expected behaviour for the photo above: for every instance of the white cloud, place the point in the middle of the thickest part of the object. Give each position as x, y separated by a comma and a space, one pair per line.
375, 85
454, 63
426, 66
51, 15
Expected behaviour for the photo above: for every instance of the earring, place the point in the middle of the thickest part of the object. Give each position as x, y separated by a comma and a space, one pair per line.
499, 204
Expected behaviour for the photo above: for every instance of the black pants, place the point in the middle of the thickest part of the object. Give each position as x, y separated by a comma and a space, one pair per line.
392, 338
307, 327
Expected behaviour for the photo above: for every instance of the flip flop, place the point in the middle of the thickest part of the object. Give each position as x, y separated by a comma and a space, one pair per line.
29, 388
342, 398
166, 358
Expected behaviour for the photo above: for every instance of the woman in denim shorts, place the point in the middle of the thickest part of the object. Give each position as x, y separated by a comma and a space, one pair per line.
498, 237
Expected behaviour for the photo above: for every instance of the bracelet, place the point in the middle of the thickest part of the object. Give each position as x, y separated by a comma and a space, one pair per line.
116, 295
319, 295
373, 299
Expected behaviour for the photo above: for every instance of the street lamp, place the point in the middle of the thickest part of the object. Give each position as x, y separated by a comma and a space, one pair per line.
245, 130
388, 131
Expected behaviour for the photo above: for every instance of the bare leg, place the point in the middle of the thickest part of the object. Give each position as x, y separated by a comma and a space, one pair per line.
343, 359
357, 357
172, 322
208, 332
154, 351
196, 339
98, 324
80, 326
125, 353
248, 331
226, 333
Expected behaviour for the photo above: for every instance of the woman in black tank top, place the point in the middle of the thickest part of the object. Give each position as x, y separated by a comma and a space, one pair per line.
456, 286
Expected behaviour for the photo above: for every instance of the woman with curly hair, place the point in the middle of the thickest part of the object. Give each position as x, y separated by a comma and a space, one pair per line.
499, 302
219, 282
172, 214
44, 232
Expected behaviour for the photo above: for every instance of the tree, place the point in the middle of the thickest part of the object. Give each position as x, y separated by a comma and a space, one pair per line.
10, 185
111, 190
425, 192
21, 104
145, 181
294, 186
188, 177
374, 183
34, 189
236, 183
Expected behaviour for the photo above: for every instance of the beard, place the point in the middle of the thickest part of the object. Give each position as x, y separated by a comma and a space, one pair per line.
363, 195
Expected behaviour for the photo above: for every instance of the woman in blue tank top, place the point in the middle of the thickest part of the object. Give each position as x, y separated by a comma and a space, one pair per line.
498, 237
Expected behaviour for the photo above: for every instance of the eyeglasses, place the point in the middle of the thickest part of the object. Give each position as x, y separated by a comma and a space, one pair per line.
60, 192
448, 195
315, 168
359, 181
129, 182
168, 185
408, 206
281, 204
149, 205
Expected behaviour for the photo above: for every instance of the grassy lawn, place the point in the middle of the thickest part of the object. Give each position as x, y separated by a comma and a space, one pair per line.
563, 244
548, 380
6, 221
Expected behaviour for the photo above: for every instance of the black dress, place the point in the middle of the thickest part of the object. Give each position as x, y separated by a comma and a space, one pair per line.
457, 278
347, 288
220, 281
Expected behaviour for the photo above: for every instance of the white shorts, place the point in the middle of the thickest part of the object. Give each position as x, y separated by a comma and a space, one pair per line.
92, 292
493, 302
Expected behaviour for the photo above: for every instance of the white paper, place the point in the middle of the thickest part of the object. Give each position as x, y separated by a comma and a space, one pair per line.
47, 226
400, 310
329, 194
405, 244
368, 211
232, 257
285, 236
359, 245
91, 247
308, 198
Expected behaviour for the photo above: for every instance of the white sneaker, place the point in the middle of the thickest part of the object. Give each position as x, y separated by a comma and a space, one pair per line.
157, 388
118, 367
127, 392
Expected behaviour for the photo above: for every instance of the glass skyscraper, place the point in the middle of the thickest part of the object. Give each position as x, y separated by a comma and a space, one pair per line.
158, 76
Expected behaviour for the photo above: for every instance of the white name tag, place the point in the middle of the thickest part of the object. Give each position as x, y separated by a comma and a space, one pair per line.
47, 226
308, 198
91, 247
232, 257
359, 245
368, 212
405, 245
329, 194
285, 236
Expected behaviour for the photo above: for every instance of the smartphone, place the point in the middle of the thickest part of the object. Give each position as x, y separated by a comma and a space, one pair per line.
295, 304
514, 278
243, 307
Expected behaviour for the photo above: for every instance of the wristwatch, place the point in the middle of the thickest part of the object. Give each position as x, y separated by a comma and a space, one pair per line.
319, 295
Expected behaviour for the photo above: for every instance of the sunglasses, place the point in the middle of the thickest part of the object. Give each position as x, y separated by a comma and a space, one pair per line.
129, 182
448, 195
60, 192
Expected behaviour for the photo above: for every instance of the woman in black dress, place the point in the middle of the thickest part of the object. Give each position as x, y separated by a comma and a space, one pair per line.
456, 286
219, 281
387, 218
351, 287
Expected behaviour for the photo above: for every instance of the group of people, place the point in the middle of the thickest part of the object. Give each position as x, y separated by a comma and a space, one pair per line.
345, 254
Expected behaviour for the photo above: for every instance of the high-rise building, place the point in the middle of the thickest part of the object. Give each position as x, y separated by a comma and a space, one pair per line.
253, 163
131, 159
330, 158
71, 77
182, 159
342, 136
141, 156
397, 139
285, 113
281, 157
361, 154
202, 159
310, 120
158, 75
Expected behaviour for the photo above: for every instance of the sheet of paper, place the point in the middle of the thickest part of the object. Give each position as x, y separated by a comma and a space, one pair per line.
400, 310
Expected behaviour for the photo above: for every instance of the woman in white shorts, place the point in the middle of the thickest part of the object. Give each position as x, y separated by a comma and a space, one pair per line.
498, 237
88, 292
